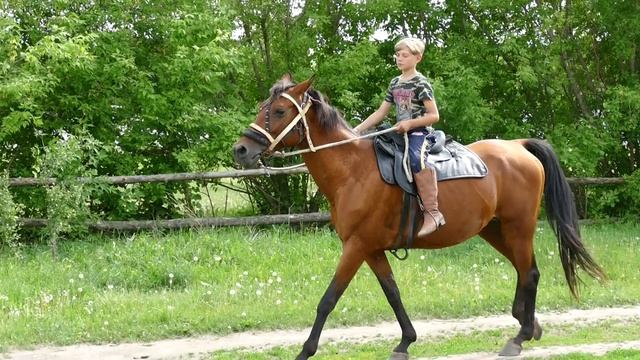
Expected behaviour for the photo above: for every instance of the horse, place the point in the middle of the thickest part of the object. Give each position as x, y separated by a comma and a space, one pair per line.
502, 207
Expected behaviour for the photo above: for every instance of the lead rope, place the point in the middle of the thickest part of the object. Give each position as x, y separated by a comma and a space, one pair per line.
333, 144
279, 154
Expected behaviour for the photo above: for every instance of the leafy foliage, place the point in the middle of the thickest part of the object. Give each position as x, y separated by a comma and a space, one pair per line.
151, 81
9, 214
68, 200
167, 86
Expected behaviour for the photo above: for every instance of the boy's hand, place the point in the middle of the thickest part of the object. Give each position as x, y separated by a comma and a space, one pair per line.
403, 126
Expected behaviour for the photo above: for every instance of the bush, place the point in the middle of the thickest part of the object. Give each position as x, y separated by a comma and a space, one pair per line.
620, 201
9, 214
67, 201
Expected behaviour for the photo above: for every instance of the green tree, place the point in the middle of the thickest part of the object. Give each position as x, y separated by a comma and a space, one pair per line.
167, 86
153, 82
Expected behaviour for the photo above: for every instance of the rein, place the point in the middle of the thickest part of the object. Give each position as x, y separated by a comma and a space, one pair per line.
279, 154
302, 116
330, 145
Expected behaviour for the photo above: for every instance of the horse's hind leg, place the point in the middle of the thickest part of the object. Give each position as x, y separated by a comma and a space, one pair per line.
381, 268
349, 264
515, 242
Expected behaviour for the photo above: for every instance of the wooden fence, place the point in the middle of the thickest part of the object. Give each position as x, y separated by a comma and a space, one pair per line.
211, 221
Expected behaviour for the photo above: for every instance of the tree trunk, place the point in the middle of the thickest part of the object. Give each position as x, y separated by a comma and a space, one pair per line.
267, 45
576, 91
254, 65
633, 61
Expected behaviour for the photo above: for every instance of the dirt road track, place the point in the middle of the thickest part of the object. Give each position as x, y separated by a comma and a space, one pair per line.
196, 347
549, 352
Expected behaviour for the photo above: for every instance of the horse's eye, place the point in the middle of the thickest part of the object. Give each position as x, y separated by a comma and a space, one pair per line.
279, 112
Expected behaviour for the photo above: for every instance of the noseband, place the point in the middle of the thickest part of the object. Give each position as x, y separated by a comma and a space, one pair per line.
263, 136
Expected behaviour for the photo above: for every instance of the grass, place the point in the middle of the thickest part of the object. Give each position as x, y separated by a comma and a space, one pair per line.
151, 286
479, 341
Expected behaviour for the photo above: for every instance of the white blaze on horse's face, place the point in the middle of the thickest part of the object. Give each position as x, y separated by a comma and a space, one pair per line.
280, 123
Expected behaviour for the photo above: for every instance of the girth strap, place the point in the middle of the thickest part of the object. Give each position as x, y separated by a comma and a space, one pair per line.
408, 215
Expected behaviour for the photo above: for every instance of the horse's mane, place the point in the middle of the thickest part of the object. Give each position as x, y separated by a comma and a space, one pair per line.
329, 117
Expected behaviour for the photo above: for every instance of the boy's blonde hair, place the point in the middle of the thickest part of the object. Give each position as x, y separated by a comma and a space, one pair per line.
415, 45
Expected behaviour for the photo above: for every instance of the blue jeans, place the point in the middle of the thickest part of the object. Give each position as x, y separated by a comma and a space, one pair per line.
419, 145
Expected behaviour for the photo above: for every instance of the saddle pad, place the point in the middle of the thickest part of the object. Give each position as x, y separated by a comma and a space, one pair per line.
456, 161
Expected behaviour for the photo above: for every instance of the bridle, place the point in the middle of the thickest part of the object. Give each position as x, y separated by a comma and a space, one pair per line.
263, 136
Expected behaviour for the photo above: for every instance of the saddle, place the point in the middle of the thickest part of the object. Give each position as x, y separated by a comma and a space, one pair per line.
389, 148
451, 160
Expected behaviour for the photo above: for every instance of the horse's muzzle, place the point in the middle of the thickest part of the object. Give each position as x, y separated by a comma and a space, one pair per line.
245, 156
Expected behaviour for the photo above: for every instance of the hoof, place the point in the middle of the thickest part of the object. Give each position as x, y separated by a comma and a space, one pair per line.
399, 356
537, 330
511, 349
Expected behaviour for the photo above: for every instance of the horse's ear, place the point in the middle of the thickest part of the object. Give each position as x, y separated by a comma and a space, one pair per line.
304, 86
312, 79
287, 77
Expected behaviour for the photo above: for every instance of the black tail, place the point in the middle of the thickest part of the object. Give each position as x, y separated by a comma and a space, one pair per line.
563, 217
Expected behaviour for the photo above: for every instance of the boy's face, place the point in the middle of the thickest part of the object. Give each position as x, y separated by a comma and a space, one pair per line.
406, 60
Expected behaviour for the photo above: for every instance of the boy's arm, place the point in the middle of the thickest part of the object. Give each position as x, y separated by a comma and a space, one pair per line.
429, 118
374, 118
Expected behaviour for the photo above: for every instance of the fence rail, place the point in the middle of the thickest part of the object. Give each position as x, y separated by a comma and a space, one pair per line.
206, 176
158, 178
133, 225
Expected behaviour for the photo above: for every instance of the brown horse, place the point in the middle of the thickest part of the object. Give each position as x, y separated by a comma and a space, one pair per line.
502, 207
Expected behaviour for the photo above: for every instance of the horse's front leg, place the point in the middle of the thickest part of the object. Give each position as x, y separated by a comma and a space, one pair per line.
380, 266
349, 264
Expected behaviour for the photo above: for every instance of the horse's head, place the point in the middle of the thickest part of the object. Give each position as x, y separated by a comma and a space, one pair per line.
281, 122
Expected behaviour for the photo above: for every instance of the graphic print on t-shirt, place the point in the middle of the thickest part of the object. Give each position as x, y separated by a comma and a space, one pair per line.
402, 99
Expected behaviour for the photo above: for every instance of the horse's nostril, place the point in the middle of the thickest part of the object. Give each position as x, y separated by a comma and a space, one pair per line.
239, 150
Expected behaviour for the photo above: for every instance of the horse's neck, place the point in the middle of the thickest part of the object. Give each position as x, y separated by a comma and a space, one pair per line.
336, 166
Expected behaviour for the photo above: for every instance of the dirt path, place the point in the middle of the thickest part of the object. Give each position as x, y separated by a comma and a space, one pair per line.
198, 346
547, 352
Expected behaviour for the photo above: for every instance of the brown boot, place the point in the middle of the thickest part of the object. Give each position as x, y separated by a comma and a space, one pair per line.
427, 184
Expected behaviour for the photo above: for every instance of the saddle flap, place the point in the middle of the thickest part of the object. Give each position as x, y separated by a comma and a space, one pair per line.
389, 156
385, 157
